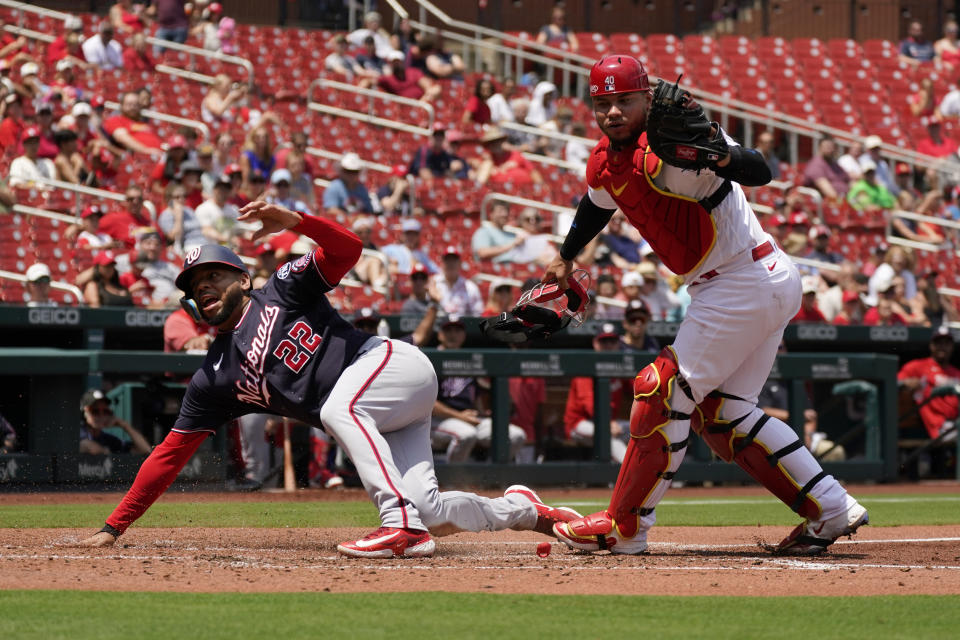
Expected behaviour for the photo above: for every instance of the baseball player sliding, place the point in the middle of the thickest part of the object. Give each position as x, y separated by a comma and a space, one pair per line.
677, 178
285, 350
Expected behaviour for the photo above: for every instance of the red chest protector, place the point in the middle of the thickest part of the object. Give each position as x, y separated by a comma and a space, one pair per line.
680, 229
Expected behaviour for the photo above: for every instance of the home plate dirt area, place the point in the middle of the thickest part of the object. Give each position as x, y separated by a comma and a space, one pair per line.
681, 561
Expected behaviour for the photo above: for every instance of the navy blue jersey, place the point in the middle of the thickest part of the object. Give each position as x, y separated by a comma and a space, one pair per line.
283, 357
458, 393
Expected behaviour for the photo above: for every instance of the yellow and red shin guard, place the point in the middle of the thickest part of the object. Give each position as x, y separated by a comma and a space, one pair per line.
651, 458
731, 440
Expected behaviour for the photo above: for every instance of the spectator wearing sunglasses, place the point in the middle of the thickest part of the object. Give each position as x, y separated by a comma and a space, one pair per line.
97, 416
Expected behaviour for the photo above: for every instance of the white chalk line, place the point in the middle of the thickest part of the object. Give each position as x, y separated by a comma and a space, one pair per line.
236, 559
761, 500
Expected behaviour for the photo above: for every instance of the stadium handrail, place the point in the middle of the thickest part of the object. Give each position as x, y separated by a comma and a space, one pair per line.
54, 284
753, 114
167, 44
166, 117
373, 94
27, 210
91, 191
568, 62
919, 217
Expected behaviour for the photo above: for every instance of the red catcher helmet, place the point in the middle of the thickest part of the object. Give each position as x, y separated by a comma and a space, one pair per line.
618, 74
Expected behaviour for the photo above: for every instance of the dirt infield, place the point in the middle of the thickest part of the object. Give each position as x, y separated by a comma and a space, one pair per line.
681, 561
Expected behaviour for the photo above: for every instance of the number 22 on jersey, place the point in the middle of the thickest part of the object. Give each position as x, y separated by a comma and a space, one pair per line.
296, 350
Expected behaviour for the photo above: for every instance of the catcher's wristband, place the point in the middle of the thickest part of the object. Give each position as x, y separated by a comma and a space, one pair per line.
108, 529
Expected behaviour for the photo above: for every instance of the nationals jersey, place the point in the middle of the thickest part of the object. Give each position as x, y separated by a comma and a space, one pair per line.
282, 357
668, 205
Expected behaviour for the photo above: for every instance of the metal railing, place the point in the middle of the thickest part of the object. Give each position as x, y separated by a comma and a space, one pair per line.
193, 51
919, 217
166, 117
103, 194
578, 64
373, 94
54, 284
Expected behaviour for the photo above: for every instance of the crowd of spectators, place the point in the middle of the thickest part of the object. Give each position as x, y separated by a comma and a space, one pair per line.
128, 252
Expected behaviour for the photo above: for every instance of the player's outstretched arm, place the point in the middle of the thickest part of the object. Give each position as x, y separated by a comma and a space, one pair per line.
156, 474
587, 223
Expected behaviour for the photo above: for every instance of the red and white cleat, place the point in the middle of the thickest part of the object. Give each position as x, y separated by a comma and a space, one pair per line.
598, 531
390, 542
547, 516
814, 536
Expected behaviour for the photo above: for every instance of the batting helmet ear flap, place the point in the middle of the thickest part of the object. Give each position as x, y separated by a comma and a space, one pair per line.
190, 306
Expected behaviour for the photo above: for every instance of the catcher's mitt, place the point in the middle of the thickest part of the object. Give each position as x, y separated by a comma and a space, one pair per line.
541, 311
678, 131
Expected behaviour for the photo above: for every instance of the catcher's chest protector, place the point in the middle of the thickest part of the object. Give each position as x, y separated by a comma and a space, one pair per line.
679, 229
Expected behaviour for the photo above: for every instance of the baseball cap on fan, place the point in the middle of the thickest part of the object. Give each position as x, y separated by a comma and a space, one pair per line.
942, 333
351, 162
810, 284
608, 331
37, 271
92, 396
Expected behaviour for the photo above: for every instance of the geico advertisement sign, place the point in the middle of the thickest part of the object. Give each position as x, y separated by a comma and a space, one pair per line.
53, 315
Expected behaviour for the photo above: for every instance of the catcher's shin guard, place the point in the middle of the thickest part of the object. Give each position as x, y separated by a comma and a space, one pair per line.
656, 401
766, 448
645, 475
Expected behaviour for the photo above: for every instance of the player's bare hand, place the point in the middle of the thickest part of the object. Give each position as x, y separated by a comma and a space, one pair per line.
273, 217
99, 539
557, 271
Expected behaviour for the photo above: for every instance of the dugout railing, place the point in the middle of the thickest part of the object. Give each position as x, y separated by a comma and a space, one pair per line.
48, 383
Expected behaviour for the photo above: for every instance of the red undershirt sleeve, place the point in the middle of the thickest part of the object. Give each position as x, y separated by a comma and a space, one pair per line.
339, 247
156, 474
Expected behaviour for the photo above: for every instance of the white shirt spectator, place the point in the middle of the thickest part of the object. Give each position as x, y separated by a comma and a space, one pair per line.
88, 240
381, 43
463, 298
577, 153
162, 277
851, 165
533, 249
223, 219
106, 57
950, 105
500, 111
24, 171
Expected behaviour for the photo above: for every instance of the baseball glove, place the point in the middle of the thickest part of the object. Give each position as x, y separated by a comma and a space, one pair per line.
541, 311
678, 131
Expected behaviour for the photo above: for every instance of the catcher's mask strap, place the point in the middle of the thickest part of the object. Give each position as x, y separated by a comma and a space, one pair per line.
713, 200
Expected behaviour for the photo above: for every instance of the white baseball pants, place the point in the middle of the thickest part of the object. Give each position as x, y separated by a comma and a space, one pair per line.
380, 413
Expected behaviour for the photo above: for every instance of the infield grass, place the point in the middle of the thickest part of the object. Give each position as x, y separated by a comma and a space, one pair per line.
885, 510
75, 615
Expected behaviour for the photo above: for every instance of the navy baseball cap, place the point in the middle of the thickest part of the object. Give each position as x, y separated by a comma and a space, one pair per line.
207, 254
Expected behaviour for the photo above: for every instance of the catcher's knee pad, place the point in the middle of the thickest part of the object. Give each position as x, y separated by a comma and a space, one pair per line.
655, 393
647, 469
759, 444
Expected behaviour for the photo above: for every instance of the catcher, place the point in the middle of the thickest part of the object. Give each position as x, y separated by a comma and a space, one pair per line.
677, 176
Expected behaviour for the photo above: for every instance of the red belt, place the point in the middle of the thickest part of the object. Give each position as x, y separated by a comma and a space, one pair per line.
759, 252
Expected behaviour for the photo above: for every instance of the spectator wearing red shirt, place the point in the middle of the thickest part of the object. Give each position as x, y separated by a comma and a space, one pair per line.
477, 110
406, 81
809, 312
129, 130
852, 310
122, 225
183, 333
10, 46
935, 144
527, 396
578, 415
169, 166
501, 165
90, 237
883, 314
12, 126
136, 57
922, 376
